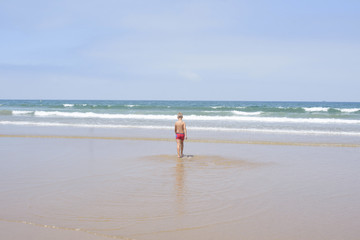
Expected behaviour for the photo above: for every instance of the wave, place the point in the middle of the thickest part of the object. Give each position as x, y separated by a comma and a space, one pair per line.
57, 124
22, 112
349, 110
246, 113
188, 117
235, 112
103, 115
327, 109
298, 109
5, 112
68, 105
218, 129
316, 109
271, 108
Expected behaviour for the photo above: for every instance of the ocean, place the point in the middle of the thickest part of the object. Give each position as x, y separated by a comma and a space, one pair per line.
296, 118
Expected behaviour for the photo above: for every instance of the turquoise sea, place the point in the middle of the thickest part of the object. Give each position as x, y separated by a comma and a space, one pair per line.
303, 118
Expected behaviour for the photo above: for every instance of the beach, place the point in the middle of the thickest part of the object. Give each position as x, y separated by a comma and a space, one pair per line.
96, 98
71, 183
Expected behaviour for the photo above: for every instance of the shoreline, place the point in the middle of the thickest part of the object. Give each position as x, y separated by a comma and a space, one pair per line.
189, 140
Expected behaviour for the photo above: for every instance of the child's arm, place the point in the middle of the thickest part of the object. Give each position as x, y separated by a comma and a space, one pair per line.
185, 131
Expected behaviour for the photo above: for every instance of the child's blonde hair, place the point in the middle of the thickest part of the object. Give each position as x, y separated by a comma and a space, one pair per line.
180, 115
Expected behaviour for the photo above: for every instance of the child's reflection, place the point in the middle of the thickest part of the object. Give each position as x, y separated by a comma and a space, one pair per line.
179, 185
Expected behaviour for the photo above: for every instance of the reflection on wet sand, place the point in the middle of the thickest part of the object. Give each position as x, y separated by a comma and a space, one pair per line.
179, 185
208, 161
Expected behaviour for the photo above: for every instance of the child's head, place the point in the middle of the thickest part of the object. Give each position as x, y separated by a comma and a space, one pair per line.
180, 115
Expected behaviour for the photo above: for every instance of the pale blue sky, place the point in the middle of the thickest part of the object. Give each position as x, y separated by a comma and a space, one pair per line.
180, 50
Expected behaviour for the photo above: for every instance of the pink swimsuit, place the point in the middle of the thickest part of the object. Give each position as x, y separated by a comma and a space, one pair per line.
180, 136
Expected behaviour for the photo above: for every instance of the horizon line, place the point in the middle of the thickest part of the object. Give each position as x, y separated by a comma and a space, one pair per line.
173, 100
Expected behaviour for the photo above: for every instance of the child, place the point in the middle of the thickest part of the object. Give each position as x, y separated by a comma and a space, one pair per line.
181, 134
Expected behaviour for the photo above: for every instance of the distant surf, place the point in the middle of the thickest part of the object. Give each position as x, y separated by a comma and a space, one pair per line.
245, 118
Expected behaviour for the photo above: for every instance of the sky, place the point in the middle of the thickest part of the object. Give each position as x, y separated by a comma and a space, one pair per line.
256, 50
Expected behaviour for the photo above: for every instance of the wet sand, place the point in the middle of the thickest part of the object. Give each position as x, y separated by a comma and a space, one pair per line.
99, 188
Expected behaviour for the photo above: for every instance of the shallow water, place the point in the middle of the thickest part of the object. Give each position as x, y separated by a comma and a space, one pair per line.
141, 190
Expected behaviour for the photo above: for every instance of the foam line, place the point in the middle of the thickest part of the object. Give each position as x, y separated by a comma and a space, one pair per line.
237, 118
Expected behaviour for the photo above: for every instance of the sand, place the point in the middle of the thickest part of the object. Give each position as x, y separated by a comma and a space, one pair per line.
57, 186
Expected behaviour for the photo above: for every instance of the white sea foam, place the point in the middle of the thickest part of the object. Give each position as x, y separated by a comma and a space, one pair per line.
269, 131
130, 106
68, 105
348, 110
316, 109
195, 117
102, 115
236, 112
216, 107
22, 112
245, 113
81, 125
325, 109
278, 131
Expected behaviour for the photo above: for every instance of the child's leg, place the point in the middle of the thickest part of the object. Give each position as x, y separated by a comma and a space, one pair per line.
182, 147
178, 147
